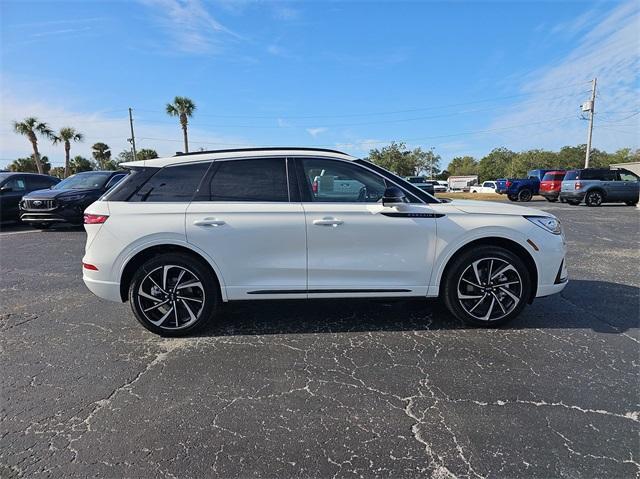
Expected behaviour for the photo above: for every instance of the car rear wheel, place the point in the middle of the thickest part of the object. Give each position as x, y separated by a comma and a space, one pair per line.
487, 286
594, 198
525, 195
173, 295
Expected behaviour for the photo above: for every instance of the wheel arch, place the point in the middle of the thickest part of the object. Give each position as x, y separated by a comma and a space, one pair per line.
503, 242
140, 257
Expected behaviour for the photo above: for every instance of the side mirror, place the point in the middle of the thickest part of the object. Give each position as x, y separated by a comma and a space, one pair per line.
393, 196
6, 189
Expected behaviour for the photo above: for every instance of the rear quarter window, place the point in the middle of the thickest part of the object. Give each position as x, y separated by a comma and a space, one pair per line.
172, 184
571, 175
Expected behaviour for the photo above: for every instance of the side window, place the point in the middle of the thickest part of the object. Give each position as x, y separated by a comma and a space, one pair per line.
38, 183
339, 181
173, 184
114, 180
16, 184
627, 176
608, 175
249, 180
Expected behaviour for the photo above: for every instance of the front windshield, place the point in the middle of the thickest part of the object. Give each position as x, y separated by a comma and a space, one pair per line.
83, 181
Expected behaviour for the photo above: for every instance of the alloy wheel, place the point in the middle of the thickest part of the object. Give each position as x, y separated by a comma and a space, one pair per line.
171, 297
489, 289
594, 199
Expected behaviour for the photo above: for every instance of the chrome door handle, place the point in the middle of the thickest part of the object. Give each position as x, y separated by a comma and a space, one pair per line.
328, 222
209, 222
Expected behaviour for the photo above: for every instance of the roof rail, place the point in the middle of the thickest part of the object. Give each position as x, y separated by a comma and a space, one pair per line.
269, 148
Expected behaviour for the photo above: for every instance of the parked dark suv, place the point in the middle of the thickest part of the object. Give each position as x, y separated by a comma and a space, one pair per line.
66, 201
595, 186
13, 186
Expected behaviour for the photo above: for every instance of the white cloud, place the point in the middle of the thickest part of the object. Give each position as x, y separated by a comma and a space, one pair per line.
189, 23
316, 131
609, 51
110, 127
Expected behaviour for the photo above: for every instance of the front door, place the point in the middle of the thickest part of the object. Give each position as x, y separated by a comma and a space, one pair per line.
356, 246
244, 220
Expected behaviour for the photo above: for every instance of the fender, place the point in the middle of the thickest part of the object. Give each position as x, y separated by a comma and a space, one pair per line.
160, 240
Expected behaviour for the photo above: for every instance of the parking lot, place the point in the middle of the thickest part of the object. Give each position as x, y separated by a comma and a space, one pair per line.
324, 388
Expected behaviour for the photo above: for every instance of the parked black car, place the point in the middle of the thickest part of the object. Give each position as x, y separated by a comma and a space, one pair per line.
595, 186
13, 186
66, 201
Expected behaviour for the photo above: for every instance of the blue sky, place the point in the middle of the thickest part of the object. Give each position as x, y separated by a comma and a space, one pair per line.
460, 76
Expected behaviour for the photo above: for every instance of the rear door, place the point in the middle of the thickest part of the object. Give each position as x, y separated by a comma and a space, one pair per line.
245, 218
358, 247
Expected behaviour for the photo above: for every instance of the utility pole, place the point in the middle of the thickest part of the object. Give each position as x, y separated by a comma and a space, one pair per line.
132, 140
590, 107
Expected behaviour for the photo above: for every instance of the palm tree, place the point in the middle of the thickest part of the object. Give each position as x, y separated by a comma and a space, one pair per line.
183, 108
101, 154
66, 136
31, 127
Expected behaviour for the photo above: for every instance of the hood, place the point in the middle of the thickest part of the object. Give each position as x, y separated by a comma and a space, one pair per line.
51, 194
496, 208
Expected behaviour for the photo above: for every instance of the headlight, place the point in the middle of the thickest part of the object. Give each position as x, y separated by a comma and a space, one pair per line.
72, 197
552, 225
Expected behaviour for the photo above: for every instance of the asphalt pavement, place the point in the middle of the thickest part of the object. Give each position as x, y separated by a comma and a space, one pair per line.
336, 388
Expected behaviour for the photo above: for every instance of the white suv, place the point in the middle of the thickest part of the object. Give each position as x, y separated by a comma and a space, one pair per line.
181, 234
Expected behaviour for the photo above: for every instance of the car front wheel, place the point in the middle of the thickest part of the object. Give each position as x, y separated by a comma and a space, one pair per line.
173, 294
487, 286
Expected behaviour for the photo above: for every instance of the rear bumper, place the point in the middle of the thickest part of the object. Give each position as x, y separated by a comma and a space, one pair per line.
103, 289
572, 195
553, 195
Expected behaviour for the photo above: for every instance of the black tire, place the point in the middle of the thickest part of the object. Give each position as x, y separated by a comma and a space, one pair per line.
631, 203
594, 198
551, 200
486, 258
525, 195
164, 303
512, 197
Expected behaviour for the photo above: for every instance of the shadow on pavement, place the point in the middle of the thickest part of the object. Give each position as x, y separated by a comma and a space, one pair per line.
596, 305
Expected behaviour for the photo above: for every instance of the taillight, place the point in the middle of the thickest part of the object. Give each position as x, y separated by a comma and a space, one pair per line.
508, 184
314, 186
90, 219
578, 185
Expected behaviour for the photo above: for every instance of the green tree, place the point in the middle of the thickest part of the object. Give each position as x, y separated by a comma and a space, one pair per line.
183, 108
65, 136
101, 154
80, 163
427, 162
395, 157
57, 171
31, 127
496, 164
29, 165
146, 154
463, 165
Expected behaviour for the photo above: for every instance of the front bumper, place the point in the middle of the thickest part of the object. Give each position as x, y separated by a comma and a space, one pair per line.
49, 217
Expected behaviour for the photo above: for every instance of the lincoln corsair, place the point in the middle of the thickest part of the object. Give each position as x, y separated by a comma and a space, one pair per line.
180, 235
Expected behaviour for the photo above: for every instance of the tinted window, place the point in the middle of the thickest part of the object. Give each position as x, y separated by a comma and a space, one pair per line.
338, 181
39, 183
115, 179
553, 177
571, 175
173, 184
16, 183
249, 180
